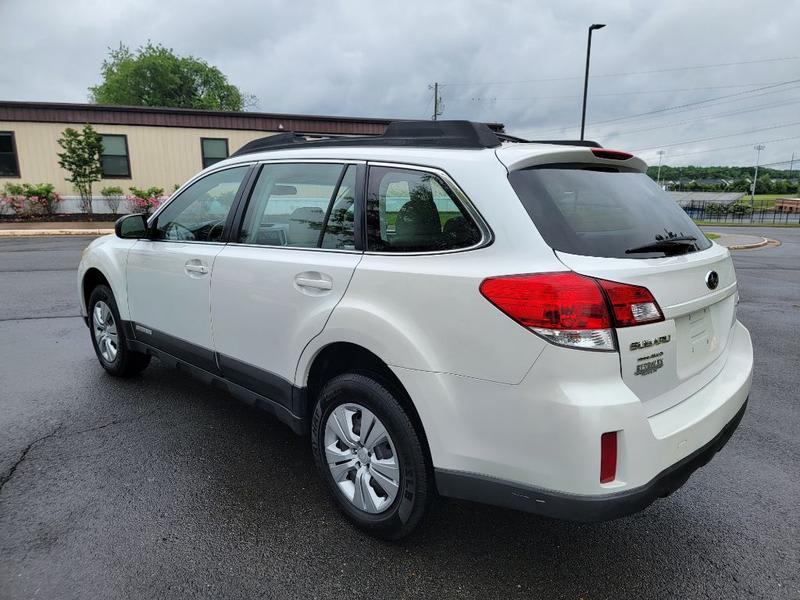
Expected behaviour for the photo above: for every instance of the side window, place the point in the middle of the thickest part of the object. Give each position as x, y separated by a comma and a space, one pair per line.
213, 150
199, 213
291, 205
9, 165
415, 211
114, 160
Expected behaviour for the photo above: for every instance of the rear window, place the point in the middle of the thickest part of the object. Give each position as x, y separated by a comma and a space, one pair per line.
602, 213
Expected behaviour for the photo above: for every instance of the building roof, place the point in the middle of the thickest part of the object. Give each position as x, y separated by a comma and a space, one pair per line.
58, 112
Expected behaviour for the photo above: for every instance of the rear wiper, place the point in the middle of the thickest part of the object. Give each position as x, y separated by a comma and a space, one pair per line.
667, 245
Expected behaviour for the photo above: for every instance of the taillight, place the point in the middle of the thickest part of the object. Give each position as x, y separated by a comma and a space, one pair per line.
570, 309
631, 304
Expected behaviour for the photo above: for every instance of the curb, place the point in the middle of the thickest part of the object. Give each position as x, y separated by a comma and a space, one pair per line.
761, 244
50, 232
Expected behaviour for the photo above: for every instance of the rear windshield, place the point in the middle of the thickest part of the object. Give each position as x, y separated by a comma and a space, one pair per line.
604, 213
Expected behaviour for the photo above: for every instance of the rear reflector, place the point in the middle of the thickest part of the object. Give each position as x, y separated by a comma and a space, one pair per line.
611, 154
569, 309
608, 457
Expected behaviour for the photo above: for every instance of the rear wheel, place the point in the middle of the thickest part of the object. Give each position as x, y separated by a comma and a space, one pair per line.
371, 456
108, 336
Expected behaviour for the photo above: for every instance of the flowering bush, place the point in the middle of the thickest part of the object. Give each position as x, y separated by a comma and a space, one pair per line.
27, 199
144, 205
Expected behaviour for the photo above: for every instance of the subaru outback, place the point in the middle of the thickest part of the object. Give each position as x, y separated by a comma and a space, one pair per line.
443, 310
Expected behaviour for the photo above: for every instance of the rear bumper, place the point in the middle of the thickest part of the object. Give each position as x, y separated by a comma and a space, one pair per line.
536, 445
576, 507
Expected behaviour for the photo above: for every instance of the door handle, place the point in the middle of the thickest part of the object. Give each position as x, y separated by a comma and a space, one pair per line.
193, 268
306, 280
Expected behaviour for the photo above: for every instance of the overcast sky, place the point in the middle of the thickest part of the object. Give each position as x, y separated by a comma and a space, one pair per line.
520, 63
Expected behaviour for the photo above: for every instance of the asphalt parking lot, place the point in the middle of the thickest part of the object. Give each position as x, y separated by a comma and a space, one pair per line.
159, 487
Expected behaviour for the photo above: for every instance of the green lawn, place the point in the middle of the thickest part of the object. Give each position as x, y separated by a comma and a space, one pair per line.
765, 201
712, 236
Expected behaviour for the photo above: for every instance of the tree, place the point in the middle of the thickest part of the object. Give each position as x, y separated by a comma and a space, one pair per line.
81, 158
156, 76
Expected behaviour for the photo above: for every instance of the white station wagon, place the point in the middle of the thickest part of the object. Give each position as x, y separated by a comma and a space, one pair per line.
442, 310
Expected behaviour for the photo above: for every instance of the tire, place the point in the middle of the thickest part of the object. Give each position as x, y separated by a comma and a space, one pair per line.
379, 509
108, 336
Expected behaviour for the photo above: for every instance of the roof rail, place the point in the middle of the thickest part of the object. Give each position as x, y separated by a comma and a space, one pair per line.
428, 134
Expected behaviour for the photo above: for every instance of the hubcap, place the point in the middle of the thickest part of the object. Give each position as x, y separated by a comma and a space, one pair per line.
105, 331
362, 458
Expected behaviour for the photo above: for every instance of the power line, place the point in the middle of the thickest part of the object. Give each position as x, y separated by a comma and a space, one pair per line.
709, 150
708, 117
528, 99
666, 70
718, 137
687, 105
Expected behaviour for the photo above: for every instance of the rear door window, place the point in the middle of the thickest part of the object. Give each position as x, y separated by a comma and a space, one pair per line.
415, 211
604, 213
302, 205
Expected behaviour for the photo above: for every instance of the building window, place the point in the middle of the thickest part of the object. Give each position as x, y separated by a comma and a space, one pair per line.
214, 150
9, 165
114, 159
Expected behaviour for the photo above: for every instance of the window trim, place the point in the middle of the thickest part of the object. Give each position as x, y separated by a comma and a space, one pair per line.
487, 236
359, 211
216, 139
15, 152
124, 136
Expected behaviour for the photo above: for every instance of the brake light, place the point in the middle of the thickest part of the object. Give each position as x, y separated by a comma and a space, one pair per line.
631, 304
608, 457
569, 309
611, 154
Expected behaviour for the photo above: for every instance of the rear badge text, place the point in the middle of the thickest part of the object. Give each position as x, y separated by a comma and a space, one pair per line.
650, 343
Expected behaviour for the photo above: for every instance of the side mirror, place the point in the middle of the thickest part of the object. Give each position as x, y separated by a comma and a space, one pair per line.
131, 227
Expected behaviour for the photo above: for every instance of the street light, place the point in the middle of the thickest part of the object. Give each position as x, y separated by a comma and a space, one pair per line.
758, 148
586, 78
661, 154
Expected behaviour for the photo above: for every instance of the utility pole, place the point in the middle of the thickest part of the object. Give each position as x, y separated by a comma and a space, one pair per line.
586, 77
791, 167
758, 148
438, 107
661, 154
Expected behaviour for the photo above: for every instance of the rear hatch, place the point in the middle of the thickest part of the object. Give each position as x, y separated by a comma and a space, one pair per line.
610, 221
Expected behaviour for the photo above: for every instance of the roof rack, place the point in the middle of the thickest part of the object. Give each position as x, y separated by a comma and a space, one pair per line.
427, 134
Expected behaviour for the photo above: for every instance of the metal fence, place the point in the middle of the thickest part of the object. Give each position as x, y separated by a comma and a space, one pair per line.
738, 213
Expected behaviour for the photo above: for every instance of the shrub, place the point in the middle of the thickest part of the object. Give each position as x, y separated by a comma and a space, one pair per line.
30, 198
739, 209
716, 209
145, 201
113, 195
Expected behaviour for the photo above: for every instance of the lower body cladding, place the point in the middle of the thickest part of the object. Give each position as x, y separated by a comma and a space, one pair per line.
536, 446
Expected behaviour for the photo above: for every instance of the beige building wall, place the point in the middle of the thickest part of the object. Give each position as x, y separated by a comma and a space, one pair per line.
159, 156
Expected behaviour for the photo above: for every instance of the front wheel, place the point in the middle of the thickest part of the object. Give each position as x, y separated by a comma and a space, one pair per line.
371, 456
108, 336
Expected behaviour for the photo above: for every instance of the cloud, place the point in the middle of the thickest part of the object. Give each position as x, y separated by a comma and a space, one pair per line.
360, 58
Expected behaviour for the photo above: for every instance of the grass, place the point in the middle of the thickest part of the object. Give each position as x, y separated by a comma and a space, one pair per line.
763, 201
744, 224
712, 236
